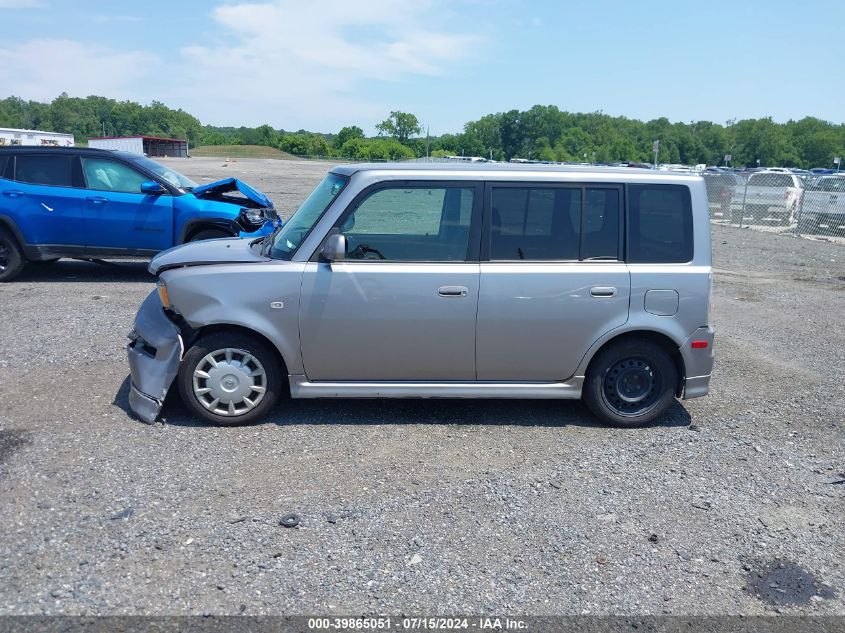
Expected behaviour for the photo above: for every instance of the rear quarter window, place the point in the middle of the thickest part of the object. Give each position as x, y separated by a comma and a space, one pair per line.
659, 224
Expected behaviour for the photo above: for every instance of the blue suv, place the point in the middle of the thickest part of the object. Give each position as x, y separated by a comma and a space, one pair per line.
90, 203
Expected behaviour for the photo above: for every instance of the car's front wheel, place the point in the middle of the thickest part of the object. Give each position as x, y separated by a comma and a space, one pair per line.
12, 261
630, 383
209, 234
230, 379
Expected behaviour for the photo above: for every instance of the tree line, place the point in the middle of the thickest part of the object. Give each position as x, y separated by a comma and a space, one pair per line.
543, 133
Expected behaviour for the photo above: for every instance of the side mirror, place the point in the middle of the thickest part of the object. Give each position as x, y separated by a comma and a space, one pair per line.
334, 248
153, 188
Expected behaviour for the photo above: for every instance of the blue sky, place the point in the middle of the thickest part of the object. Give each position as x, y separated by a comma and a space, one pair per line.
323, 64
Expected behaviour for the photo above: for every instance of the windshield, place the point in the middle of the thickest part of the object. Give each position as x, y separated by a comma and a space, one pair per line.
290, 236
170, 175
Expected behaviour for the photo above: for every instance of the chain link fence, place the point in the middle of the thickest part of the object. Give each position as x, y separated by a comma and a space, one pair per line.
779, 201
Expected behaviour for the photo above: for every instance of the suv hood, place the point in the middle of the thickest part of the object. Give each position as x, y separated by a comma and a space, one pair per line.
227, 250
216, 191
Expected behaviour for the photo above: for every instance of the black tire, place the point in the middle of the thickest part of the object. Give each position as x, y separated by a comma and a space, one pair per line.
272, 382
637, 369
209, 234
12, 260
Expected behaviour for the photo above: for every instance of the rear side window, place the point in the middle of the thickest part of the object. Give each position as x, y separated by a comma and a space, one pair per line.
4, 160
600, 226
554, 224
771, 180
44, 170
535, 224
659, 224
831, 185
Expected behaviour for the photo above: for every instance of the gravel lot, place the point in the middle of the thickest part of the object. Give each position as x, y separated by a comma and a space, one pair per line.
422, 507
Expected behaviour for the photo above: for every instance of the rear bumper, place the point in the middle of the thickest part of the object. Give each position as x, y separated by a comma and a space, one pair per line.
698, 363
154, 352
696, 387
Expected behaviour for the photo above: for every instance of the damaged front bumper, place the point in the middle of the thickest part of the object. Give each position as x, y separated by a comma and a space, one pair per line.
155, 350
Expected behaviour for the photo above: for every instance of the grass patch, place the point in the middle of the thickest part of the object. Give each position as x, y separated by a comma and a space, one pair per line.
240, 151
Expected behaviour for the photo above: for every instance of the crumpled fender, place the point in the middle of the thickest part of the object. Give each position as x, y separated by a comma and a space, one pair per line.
155, 351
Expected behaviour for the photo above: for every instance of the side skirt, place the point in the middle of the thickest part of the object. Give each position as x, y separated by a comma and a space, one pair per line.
301, 387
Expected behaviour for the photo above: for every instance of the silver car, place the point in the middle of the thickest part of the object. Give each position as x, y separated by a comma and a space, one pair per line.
442, 281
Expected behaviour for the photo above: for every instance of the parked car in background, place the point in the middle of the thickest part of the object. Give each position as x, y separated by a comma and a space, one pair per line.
724, 194
443, 280
772, 197
824, 205
89, 203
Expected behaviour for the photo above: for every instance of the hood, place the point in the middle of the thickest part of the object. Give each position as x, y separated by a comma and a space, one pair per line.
227, 250
216, 191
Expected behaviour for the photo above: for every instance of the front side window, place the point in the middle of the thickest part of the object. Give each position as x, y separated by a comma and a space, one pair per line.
108, 175
411, 224
44, 170
162, 171
659, 224
4, 160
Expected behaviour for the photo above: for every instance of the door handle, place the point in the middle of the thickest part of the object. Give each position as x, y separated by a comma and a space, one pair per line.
602, 291
13, 193
97, 199
452, 291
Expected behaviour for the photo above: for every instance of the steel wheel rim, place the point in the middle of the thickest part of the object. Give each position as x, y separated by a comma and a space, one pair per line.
632, 386
229, 382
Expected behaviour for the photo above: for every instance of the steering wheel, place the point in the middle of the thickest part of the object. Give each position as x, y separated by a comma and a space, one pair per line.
363, 251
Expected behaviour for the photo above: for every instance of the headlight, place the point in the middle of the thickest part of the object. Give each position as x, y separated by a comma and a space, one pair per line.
254, 218
162, 294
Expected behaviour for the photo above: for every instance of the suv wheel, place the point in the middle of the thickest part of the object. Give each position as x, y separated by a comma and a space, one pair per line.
230, 379
631, 383
209, 234
12, 260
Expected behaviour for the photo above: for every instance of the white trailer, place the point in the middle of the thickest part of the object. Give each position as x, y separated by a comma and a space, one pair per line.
133, 144
39, 138
153, 146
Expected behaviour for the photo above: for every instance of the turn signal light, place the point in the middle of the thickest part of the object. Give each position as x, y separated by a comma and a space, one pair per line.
699, 345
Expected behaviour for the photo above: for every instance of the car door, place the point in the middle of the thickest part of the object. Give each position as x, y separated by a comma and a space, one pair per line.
45, 198
401, 305
118, 217
552, 278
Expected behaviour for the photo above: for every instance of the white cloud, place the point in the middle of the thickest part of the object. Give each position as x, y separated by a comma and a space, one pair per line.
306, 61
42, 69
288, 63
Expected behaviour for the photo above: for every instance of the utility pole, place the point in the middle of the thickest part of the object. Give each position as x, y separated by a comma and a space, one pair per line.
427, 154
655, 147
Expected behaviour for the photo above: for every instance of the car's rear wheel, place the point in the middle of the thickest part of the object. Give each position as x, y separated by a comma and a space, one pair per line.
12, 260
230, 379
630, 383
209, 234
